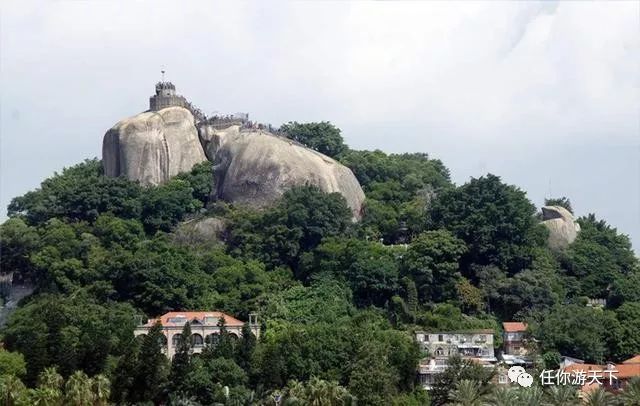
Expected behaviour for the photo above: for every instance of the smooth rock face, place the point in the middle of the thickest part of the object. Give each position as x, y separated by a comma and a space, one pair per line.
208, 229
153, 146
563, 229
255, 167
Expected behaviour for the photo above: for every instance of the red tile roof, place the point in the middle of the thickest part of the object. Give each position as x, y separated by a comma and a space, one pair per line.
230, 321
514, 326
633, 360
584, 367
622, 371
627, 370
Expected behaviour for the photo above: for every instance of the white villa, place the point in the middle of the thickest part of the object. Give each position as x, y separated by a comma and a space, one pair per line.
476, 345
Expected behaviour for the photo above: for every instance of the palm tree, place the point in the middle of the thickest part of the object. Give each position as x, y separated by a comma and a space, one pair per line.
181, 399
317, 392
503, 396
101, 389
295, 393
50, 379
78, 389
560, 395
599, 397
338, 395
630, 395
42, 396
12, 391
49, 390
530, 396
467, 393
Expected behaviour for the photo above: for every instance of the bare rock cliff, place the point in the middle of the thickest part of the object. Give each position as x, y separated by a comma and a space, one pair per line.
563, 229
153, 146
255, 168
251, 167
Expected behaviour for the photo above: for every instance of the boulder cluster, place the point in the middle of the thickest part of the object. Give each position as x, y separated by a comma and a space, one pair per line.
251, 167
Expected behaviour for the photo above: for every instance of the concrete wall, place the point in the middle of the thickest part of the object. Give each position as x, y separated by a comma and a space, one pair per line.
159, 102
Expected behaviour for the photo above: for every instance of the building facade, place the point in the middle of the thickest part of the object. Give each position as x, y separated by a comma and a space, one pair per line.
166, 97
611, 377
514, 338
205, 328
475, 345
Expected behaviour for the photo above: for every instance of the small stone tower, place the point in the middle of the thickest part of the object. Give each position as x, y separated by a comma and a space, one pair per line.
165, 97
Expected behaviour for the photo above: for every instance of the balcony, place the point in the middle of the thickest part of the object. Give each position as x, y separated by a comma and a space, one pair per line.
431, 369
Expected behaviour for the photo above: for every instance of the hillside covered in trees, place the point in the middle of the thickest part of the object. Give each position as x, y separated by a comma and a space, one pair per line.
338, 301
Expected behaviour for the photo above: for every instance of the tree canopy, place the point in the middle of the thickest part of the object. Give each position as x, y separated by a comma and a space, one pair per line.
339, 301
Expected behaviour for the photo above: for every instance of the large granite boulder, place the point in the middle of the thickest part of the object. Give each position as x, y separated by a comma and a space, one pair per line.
200, 231
563, 228
255, 167
153, 146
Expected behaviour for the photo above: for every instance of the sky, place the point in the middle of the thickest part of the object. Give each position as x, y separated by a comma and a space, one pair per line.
544, 94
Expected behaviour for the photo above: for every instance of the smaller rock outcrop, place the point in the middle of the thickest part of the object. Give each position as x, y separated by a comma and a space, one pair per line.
199, 231
563, 228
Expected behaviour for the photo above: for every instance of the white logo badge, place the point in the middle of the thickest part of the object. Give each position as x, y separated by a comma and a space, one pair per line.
518, 374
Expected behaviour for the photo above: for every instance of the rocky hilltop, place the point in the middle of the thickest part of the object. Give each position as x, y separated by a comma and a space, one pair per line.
563, 228
255, 167
251, 166
153, 146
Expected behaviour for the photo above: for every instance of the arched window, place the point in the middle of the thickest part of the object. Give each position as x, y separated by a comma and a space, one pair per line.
212, 339
196, 339
439, 351
175, 340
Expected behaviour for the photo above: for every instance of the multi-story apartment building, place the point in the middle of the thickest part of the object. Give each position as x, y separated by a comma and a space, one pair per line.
514, 338
514, 348
476, 345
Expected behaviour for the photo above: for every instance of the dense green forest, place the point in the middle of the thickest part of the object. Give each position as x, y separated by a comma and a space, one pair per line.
338, 300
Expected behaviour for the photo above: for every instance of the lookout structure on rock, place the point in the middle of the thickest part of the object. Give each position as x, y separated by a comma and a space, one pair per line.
166, 97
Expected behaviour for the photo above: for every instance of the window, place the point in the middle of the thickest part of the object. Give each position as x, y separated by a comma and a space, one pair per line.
175, 340
178, 320
211, 320
440, 337
197, 341
212, 339
439, 351
502, 379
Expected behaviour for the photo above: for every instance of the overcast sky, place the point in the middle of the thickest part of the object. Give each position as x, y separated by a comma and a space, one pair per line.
546, 95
